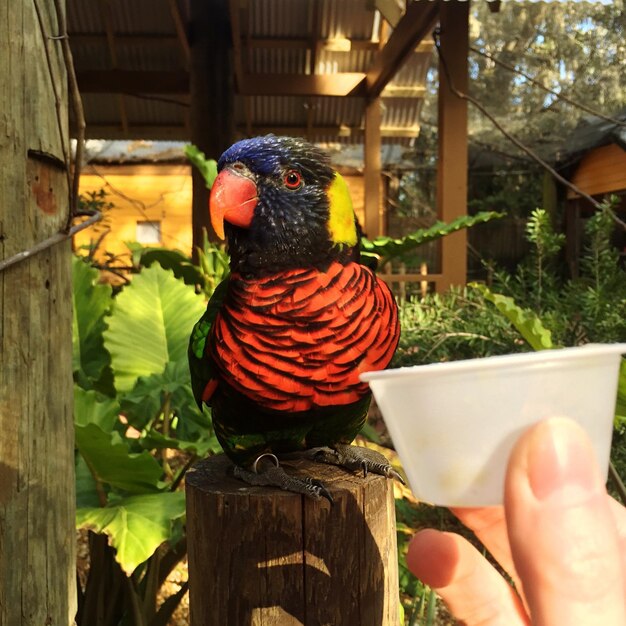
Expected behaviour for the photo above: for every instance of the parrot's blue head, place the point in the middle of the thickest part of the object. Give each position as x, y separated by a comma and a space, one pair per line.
281, 205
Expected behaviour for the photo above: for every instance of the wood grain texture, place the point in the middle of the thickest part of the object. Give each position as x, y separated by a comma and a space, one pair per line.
601, 170
37, 566
261, 556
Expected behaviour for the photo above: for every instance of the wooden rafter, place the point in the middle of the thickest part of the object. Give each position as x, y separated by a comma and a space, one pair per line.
417, 22
181, 33
234, 12
143, 39
391, 10
315, 19
123, 81
333, 130
105, 14
238, 56
170, 82
329, 45
172, 131
342, 84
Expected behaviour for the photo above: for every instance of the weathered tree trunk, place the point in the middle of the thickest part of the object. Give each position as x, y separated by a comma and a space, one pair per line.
37, 568
260, 556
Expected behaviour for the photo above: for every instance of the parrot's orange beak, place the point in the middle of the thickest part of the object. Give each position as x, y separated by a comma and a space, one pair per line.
233, 198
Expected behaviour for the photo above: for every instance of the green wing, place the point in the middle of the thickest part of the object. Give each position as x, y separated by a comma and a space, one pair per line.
201, 364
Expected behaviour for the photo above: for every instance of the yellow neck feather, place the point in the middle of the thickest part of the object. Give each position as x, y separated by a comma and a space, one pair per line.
341, 225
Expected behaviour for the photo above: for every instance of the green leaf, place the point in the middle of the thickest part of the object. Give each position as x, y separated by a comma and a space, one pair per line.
526, 322
206, 167
200, 448
369, 432
173, 260
387, 248
108, 457
91, 408
91, 302
136, 525
150, 325
86, 486
144, 401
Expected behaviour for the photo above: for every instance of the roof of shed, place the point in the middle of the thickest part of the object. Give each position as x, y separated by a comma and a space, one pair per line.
132, 61
592, 132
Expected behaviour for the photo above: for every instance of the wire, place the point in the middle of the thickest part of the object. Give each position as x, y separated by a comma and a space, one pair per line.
49, 242
531, 153
77, 104
556, 94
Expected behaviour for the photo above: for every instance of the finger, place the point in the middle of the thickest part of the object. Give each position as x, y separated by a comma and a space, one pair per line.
489, 525
619, 517
564, 539
473, 590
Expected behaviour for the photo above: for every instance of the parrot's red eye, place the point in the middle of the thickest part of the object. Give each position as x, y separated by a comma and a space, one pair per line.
293, 180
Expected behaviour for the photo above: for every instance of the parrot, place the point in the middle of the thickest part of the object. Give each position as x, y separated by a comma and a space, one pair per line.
278, 352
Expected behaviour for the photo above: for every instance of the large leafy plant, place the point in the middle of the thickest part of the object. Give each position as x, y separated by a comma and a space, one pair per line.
137, 431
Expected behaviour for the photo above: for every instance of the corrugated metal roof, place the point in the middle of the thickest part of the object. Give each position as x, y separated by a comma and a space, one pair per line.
145, 40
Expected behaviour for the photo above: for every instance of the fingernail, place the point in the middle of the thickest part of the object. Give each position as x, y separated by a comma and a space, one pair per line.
561, 461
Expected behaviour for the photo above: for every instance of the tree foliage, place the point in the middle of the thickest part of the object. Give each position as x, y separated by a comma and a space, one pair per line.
576, 49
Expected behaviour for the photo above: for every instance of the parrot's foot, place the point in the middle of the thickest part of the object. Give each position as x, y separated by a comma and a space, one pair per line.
355, 458
267, 472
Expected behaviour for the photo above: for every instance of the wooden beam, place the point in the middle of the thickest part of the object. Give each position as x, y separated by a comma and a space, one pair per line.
105, 14
452, 164
143, 39
181, 131
172, 132
337, 44
124, 81
417, 23
341, 130
372, 184
397, 91
391, 10
234, 13
181, 32
342, 84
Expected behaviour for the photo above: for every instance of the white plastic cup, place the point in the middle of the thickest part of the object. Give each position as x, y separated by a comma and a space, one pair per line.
454, 424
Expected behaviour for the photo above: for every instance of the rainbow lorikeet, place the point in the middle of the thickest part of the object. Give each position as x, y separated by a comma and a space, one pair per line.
278, 353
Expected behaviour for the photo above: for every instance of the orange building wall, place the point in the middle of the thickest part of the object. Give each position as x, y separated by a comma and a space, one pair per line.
602, 170
161, 193
155, 193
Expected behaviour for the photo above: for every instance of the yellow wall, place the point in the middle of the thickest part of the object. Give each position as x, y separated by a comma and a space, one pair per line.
141, 193
155, 193
602, 170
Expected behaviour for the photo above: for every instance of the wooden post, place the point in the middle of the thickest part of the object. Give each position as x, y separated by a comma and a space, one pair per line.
37, 531
212, 100
372, 161
260, 556
452, 163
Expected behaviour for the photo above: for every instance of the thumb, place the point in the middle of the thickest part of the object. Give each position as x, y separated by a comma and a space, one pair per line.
563, 537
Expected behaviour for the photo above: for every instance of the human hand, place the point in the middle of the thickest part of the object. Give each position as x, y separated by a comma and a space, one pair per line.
560, 537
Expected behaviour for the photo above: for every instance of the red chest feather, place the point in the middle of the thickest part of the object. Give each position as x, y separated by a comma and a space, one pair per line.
298, 340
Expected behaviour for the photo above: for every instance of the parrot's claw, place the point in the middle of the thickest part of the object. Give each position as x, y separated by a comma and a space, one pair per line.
356, 458
267, 472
